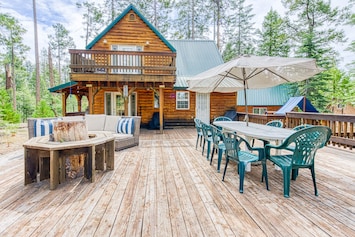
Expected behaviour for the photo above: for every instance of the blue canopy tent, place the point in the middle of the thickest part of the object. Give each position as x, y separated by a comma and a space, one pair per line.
302, 102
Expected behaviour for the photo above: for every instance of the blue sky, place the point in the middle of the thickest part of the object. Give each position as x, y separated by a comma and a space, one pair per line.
65, 12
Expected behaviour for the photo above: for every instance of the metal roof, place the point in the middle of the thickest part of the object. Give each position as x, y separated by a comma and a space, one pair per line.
129, 8
194, 57
277, 95
62, 86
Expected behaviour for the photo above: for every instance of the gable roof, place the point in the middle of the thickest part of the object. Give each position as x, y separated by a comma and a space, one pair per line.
302, 102
129, 8
276, 95
194, 57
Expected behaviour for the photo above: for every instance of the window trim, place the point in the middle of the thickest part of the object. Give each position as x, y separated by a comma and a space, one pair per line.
259, 108
186, 100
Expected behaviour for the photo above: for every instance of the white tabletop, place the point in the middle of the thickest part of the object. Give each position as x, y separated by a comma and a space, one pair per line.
255, 130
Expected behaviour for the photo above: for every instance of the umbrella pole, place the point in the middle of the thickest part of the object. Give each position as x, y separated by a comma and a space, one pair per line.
245, 98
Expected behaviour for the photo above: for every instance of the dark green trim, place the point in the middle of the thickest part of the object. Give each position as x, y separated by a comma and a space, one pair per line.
130, 7
62, 86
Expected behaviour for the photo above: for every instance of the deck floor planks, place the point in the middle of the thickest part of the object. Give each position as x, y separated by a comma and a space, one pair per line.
202, 203
122, 174
215, 205
164, 227
98, 212
182, 196
135, 226
178, 225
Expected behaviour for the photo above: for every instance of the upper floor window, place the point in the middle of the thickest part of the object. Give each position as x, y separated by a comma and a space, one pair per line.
182, 100
132, 17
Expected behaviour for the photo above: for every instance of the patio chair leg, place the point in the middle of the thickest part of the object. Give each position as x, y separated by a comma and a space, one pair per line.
225, 169
286, 176
314, 181
213, 151
294, 174
264, 174
220, 151
241, 168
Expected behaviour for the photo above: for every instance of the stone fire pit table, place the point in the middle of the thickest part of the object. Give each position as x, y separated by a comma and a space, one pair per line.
39, 151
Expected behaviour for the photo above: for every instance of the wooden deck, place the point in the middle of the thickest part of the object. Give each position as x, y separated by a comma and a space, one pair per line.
165, 187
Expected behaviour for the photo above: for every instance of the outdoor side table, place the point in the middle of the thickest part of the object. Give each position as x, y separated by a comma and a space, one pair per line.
99, 152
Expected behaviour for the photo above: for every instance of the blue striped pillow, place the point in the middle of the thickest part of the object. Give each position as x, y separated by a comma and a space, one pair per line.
43, 127
125, 125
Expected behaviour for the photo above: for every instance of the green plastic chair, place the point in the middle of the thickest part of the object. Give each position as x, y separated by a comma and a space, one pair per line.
222, 118
198, 127
305, 144
235, 153
275, 123
302, 126
218, 146
207, 138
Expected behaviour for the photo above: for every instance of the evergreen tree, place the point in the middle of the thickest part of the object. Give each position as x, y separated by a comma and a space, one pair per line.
192, 20
274, 40
92, 20
351, 47
341, 88
61, 42
240, 30
7, 113
12, 49
314, 28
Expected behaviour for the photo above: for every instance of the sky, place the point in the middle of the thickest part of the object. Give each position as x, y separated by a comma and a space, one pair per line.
65, 12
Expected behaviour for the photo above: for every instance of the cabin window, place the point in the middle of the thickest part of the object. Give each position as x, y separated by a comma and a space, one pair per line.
126, 60
182, 100
259, 110
132, 17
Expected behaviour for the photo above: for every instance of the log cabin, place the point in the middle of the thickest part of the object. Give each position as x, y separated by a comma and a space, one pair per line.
131, 69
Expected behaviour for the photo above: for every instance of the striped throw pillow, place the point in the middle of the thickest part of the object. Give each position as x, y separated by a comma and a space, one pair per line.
125, 126
43, 127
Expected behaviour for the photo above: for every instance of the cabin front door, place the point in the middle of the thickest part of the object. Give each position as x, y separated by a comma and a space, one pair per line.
203, 107
115, 104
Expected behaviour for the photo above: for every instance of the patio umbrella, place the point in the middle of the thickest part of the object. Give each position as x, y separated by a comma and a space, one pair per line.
252, 72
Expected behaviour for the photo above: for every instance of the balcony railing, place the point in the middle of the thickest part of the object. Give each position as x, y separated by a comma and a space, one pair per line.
122, 62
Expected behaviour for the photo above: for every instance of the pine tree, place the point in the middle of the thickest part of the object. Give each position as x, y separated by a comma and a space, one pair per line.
274, 40
314, 28
60, 42
240, 30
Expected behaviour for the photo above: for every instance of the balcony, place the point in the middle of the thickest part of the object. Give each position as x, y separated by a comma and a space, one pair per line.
128, 66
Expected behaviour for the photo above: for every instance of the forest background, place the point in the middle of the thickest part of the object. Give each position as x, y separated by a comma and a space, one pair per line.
302, 28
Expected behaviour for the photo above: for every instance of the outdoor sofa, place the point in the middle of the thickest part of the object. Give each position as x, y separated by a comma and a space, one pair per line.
125, 129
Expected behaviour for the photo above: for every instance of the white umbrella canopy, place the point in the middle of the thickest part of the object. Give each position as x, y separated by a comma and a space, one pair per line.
252, 72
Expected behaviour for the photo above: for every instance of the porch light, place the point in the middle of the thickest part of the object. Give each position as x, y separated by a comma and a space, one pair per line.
105, 41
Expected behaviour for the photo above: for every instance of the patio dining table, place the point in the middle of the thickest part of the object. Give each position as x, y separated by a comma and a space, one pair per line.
257, 131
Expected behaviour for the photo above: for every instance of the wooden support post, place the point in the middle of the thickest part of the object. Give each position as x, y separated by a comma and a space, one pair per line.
64, 104
91, 99
161, 107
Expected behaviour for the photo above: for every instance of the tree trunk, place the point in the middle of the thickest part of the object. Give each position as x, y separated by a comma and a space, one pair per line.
38, 80
66, 131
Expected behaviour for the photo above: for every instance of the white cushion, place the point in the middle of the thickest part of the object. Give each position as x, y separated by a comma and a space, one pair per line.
95, 122
111, 123
125, 125
121, 136
73, 118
